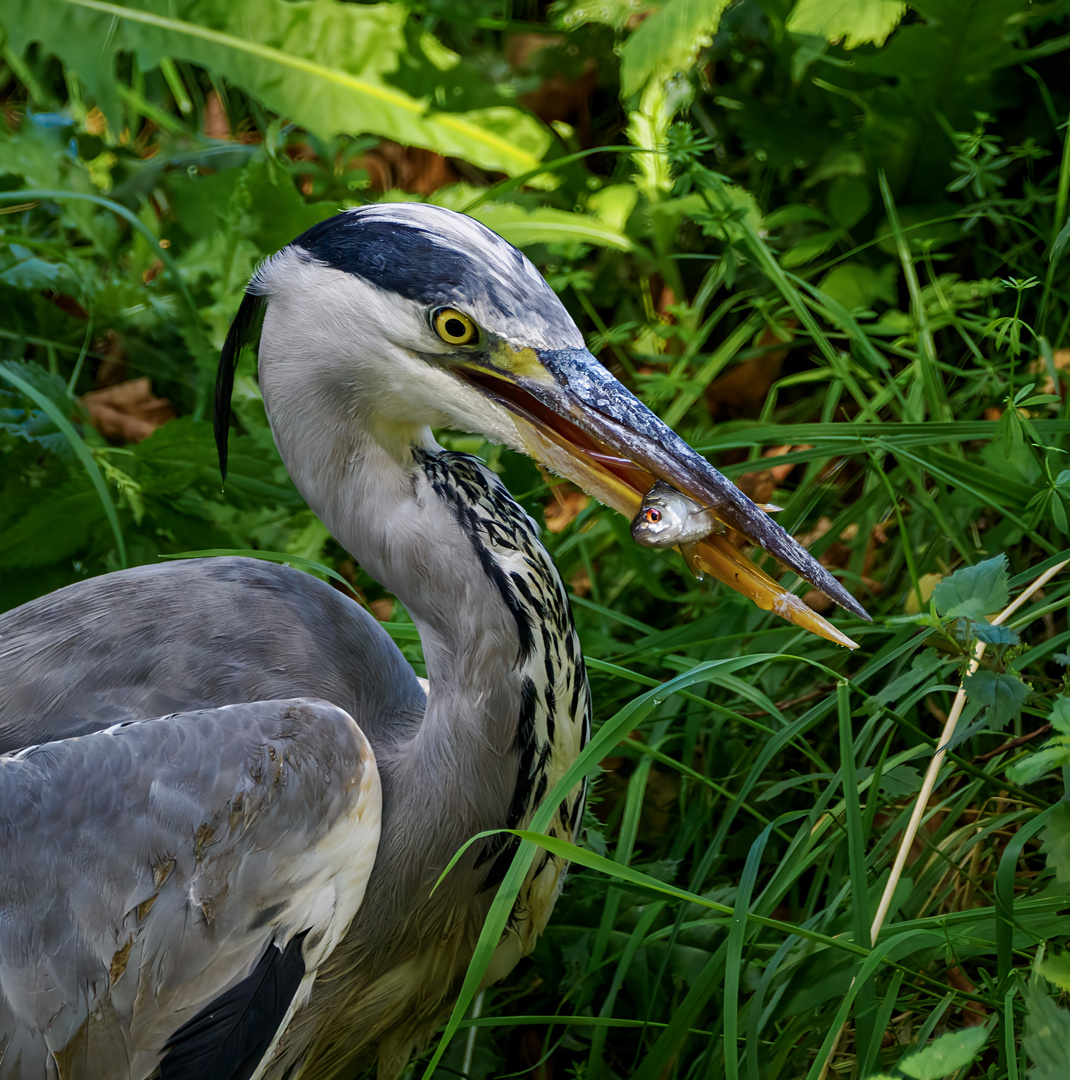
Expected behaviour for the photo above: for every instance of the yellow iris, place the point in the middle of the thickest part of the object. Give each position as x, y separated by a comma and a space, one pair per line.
455, 327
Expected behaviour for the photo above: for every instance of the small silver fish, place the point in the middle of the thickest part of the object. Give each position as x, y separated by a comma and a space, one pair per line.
668, 517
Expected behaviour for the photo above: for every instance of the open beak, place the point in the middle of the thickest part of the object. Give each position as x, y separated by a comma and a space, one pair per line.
577, 419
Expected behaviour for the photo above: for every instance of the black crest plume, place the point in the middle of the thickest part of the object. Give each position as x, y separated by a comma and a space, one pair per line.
242, 330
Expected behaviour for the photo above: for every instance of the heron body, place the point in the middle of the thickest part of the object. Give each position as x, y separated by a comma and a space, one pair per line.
225, 797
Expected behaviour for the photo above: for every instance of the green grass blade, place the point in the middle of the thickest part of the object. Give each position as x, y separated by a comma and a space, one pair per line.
84, 454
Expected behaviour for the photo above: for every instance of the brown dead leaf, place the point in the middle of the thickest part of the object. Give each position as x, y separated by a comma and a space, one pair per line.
564, 507
1062, 366
382, 609
741, 391
127, 411
759, 485
216, 124
109, 347
95, 124
409, 168
817, 601
557, 97
972, 1013
581, 583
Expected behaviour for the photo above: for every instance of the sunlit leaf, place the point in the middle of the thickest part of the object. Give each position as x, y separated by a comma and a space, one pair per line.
544, 225
1047, 1034
1055, 967
1059, 717
1056, 842
1053, 755
945, 1055
668, 41
328, 66
974, 591
855, 22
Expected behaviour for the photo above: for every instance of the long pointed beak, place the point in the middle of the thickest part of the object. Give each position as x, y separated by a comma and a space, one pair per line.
580, 421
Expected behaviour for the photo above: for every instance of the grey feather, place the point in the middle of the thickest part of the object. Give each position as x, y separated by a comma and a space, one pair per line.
148, 865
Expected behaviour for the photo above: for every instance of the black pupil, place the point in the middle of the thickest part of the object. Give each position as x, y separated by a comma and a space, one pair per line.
653, 516
455, 328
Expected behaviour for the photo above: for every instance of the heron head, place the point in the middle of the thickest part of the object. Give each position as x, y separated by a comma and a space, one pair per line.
418, 316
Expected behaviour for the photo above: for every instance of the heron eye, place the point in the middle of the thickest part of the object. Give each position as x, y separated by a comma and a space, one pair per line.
454, 326
653, 516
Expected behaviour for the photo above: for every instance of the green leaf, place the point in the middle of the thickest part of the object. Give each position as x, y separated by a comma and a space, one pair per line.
810, 248
1059, 717
544, 225
1053, 755
32, 274
1047, 1034
945, 1055
614, 13
922, 667
1055, 967
857, 22
668, 41
330, 67
855, 285
974, 591
1001, 695
11, 375
982, 630
1055, 842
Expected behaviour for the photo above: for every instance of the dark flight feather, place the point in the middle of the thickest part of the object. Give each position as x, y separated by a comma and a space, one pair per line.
228, 1037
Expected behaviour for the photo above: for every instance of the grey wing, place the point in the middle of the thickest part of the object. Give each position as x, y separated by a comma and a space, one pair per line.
149, 868
189, 635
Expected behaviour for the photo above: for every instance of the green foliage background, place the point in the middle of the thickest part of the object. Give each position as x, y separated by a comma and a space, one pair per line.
869, 196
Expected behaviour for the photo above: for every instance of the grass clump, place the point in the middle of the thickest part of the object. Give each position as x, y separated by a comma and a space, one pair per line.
831, 249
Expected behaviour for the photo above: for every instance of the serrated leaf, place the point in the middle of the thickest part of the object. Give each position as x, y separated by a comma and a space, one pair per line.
1047, 1034
614, 13
1059, 717
32, 274
1055, 843
668, 41
945, 1055
856, 22
982, 630
1055, 967
974, 591
1053, 755
331, 67
1001, 696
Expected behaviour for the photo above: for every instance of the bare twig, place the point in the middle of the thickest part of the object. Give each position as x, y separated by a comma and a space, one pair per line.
1011, 744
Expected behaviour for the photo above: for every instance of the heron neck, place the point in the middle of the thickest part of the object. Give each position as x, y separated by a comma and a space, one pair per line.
440, 532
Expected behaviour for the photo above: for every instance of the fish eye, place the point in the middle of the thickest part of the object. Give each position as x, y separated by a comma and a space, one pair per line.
454, 327
652, 516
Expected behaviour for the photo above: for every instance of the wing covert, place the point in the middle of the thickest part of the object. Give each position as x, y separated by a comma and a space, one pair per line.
149, 866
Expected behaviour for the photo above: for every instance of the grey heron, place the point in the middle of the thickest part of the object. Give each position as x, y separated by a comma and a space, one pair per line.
224, 795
